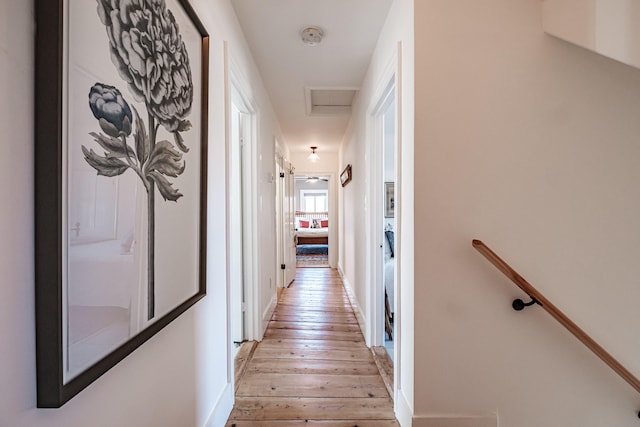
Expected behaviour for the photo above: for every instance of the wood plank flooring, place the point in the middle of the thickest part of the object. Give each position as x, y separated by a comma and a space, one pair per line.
312, 367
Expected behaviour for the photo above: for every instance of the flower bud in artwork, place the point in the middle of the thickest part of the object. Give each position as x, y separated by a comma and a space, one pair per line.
151, 56
112, 111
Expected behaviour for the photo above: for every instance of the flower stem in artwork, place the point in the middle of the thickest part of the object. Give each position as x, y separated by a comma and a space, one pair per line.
151, 253
152, 60
153, 161
151, 234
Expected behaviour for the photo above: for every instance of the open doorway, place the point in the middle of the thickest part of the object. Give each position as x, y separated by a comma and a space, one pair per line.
312, 221
383, 259
389, 201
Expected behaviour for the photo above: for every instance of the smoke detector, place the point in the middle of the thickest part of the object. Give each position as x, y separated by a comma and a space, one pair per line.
311, 36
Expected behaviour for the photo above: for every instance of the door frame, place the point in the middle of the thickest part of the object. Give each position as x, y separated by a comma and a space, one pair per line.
332, 185
237, 92
390, 81
375, 236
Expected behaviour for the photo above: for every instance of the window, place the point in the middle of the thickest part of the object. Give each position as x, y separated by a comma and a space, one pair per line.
314, 200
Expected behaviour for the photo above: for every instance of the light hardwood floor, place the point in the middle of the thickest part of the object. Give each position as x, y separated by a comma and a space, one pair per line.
312, 367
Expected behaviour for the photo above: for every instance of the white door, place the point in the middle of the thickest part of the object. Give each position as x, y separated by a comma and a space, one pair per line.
236, 258
285, 231
280, 200
289, 227
285, 226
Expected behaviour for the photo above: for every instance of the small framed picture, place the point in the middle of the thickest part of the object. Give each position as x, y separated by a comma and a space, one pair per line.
345, 176
389, 200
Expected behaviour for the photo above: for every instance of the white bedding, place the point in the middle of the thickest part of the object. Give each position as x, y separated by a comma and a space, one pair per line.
101, 281
313, 232
99, 275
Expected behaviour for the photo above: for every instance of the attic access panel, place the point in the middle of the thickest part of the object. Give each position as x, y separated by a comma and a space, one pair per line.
330, 101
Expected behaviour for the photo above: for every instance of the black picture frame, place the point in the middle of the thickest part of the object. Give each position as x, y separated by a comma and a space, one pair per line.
389, 200
345, 176
52, 163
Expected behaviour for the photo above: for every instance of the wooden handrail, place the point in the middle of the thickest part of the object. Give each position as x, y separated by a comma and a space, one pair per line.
557, 314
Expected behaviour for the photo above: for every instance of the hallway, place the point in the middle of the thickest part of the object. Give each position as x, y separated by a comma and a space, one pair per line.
312, 367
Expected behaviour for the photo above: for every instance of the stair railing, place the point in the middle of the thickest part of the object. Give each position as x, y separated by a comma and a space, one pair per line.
538, 298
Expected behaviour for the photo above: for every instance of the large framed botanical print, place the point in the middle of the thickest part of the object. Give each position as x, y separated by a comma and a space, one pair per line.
120, 181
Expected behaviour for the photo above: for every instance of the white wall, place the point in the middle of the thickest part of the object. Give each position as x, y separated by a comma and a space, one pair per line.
530, 144
609, 27
303, 185
181, 376
354, 198
328, 162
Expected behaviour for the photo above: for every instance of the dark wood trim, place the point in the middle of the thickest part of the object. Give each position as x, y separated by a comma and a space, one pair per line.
47, 203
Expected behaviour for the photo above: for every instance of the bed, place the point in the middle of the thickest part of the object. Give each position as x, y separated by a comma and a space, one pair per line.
389, 272
100, 274
312, 228
100, 286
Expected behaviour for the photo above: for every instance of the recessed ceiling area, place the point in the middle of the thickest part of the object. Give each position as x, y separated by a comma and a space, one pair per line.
312, 88
329, 101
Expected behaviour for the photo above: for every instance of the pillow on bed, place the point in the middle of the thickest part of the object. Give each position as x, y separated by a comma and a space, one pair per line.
316, 223
324, 223
304, 224
127, 242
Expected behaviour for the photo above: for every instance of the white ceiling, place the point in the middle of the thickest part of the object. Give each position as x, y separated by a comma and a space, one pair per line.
290, 69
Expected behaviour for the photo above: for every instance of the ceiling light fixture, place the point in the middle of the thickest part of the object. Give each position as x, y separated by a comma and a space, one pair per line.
314, 179
311, 36
313, 156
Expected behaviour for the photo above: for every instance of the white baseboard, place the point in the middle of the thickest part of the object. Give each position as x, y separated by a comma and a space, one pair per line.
266, 317
404, 413
340, 271
360, 317
456, 421
268, 312
222, 410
